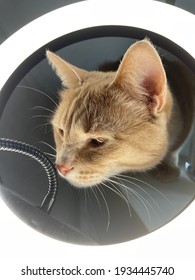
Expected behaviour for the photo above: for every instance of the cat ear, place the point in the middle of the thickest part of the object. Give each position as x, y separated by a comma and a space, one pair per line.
71, 76
141, 72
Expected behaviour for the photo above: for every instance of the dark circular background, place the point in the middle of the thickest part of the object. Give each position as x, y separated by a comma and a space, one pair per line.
82, 216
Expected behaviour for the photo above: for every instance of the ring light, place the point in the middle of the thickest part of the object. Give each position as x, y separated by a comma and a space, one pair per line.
61, 21
58, 23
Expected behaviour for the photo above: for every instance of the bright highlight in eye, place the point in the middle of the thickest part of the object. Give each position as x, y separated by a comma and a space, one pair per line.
61, 131
96, 142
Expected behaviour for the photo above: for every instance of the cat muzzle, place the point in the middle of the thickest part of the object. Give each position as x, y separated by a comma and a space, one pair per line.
63, 170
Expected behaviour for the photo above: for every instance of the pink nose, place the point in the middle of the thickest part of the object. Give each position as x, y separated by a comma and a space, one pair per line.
64, 169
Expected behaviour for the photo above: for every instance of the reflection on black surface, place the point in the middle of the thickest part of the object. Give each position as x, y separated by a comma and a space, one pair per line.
90, 228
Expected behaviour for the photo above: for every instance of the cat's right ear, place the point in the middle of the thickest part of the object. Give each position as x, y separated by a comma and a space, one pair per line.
70, 75
142, 74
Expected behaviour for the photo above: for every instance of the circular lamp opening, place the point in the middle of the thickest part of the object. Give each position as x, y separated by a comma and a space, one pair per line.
103, 215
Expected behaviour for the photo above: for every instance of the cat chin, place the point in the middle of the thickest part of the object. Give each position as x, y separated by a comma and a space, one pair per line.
83, 184
77, 182
85, 179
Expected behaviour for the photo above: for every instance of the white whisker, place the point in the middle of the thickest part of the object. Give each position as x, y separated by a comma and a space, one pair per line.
40, 116
120, 194
94, 193
53, 92
85, 195
139, 196
39, 91
51, 155
142, 189
45, 143
43, 108
144, 202
107, 207
42, 125
143, 182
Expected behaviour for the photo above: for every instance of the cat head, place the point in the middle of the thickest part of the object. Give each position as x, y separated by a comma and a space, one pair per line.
108, 123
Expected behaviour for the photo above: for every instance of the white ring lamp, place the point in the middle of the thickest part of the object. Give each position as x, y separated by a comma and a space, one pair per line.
172, 23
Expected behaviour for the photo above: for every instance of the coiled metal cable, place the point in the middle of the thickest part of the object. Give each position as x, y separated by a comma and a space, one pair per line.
28, 150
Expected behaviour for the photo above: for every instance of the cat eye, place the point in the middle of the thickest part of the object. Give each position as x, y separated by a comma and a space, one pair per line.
96, 142
61, 131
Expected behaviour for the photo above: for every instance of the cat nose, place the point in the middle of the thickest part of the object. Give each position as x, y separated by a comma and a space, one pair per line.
63, 169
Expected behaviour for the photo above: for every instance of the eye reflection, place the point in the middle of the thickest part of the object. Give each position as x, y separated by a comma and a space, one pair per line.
61, 132
96, 142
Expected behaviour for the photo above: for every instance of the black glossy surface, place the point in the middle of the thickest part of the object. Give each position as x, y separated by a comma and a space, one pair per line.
98, 216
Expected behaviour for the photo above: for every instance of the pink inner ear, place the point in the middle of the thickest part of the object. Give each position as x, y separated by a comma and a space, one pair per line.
148, 71
154, 82
155, 91
150, 86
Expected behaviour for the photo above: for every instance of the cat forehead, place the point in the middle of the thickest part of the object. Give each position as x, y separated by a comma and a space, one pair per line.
94, 85
96, 107
83, 113
98, 77
90, 95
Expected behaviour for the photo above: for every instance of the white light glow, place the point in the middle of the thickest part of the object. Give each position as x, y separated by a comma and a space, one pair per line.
166, 243
173, 23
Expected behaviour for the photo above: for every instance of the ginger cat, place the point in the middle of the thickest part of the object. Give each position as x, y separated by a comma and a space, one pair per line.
108, 123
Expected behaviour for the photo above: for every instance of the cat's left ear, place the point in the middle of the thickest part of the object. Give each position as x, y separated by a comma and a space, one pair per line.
141, 72
70, 75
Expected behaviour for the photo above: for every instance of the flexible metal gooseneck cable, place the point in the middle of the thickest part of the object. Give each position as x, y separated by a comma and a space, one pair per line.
28, 150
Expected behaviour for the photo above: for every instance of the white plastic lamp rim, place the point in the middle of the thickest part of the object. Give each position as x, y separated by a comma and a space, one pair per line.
170, 22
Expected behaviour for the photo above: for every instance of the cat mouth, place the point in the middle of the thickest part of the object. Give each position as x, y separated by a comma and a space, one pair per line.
83, 179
